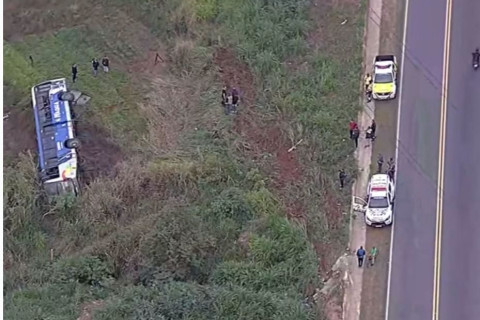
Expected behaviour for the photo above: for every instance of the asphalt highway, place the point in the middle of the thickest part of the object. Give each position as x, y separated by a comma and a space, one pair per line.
435, 267
460, 250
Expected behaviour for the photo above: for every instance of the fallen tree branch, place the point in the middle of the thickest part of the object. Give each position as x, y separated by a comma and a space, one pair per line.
295, 146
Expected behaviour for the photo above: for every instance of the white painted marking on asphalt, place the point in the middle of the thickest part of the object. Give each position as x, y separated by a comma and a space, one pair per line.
397, 146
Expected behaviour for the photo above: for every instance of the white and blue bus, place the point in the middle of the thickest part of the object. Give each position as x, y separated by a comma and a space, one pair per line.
56, 137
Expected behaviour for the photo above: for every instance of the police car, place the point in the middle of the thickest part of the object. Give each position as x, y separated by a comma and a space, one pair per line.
384, 77
381, 194
56, 139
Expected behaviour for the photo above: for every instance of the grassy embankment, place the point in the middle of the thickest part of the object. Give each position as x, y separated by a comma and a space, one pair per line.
187, 226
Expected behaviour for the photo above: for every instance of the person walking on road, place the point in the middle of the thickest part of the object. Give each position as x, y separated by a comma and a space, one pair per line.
95, 65
360, 256
342, 176
74, 72
372, 256
379, 163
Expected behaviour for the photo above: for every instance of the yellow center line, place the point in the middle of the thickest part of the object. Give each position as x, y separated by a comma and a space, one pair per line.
441, 164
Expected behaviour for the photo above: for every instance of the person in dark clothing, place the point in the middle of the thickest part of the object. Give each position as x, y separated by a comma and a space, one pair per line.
390, 163
369, 133
31, 60
105, 64
355, 136
74, 72
224, 95
352, 126
379, 163
234, 96
391, 172
342, 176
373, 126
95, 65
360, 256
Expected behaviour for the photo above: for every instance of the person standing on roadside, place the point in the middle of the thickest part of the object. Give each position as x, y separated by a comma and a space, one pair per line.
352, 125
360, 256
379, 163
356, 135
391, 172
105, 64
342, 176
74, 72
374, 128
95, 65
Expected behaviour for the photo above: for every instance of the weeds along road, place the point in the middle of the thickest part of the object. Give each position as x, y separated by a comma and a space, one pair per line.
436, 240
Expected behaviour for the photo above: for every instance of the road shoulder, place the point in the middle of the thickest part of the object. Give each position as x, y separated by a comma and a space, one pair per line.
375, 279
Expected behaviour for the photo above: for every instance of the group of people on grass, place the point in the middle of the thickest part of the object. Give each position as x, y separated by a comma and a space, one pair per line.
230, 98
95, 66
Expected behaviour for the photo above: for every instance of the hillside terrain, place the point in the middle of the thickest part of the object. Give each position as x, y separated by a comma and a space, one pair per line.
185, 212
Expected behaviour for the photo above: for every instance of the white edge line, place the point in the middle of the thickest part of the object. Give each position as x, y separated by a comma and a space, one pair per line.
404, 43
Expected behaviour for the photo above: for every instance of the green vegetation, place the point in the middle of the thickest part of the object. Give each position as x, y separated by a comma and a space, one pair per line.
188, 226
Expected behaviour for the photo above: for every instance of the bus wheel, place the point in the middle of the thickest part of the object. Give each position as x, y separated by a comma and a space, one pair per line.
72, 143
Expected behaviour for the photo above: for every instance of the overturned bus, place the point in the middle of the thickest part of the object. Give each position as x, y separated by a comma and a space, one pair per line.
52, 107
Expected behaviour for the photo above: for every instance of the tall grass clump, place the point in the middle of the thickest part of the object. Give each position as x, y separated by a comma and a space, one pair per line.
23, 236
279, 259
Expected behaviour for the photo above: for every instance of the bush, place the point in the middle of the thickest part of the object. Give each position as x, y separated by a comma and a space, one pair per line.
206, 10
51, 301
180, 301
180, 245
174, 300
22, 231
240, 303
279, 260
84, 270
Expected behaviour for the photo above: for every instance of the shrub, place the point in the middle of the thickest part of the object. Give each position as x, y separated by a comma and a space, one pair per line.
174, 300
22, 231
279, 260
181, 301
206, 10
52, 301
179, 245
85, 270
240, 303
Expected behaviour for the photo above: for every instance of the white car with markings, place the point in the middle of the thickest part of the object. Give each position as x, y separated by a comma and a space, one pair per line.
381, 194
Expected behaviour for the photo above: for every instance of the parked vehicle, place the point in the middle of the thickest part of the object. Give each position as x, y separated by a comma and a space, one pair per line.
384, 77
380, 198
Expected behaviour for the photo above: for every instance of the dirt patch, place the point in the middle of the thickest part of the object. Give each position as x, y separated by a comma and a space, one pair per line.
261, 136
98, 155
152, 64
18, 131
39, 16
88, 308
234, 72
